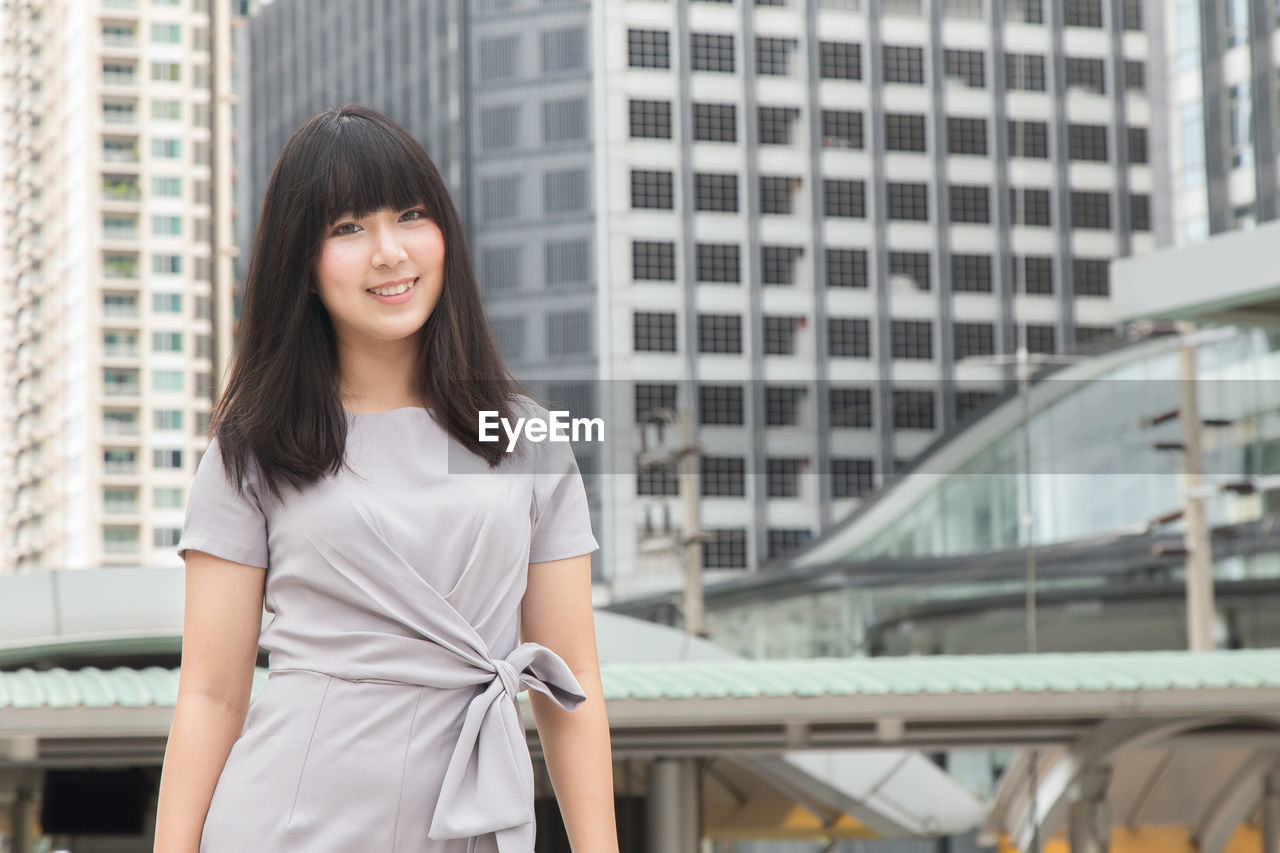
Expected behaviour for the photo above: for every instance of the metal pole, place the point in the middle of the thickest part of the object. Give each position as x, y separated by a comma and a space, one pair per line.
1028, 512
1200, 605
674, 806
1090, 830
691, 532
1271, 812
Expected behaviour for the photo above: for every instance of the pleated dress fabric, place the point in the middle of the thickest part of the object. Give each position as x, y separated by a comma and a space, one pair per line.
389, 721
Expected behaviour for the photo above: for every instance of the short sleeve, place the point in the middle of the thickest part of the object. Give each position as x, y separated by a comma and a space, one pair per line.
220, 520
562, 521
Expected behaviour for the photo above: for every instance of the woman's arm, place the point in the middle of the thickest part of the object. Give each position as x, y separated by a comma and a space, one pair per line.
221, 621
556, 613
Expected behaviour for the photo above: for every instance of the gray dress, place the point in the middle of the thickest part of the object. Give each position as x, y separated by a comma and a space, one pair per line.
389, 721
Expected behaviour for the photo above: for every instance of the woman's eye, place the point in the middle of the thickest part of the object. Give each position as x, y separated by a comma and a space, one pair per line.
417, 214
339, 230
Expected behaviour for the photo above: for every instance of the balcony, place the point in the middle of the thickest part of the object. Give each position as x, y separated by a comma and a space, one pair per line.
120, 153
120, 540
115, 306
118, 467
119, 78
119, 38
120, 427
118, 231
121, 188
116, 507
119, 115
121, 383
126, 5
120, 266
121, 350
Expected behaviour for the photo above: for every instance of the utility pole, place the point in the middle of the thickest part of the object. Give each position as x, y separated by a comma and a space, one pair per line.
1200, 604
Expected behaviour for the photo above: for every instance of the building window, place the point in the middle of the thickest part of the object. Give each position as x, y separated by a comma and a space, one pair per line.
1140, 212
499, 58
904, 132
783, 541
1088, 75
1029, 207
569, 333
1033, 274
1091, 276
719, 262
841, 129
780, 335
782, 405
651, 397
720, 405
1131, 14
650, 119
966, 136
852, 478
782, 476
1138, 145
712, 52
970, 203
170, 149
1024, 11
502, 267
912, 339
844, 198
725, 549
1083, 13
723, 477
913, 266
565, 120
508, 332
1024, 71
499, 127
1135, 74
840, 60
719, 333
773, 56
166, 497
564, 191
652, 189
965, 66
166, 342
970, 401
654, 331
567, 262
1087, 142
1040, 338
974, 339
717, 193
564, 50
166, 264
166, 72
850, 407
903, 64
776, 193
774, 125
907, 202
848, 337
846, 268
166, 303
1029, 139
658, 480
715, 122
1089, 334
166, 419
912, 409
653, 261
971, 273
1090, 209
648, 49
500, 197
166, 459
778, 264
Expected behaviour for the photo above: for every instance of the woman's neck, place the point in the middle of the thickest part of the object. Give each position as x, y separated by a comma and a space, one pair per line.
374, 376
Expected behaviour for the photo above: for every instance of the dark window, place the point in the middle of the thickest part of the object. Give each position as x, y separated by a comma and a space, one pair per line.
1090, 209
1033, 274
564, 191
1040, 339
774, 125
839, 60
653, 261
844, 198
1086, 74
1028, 206
780, 335
567, 262
564, 50
720, 405
913, 266
773, 56
651, 396
969, 401
1029, 139
776, 193
782, 476
850, 407
565, 120
1132, 15
778, 264
1140, 212
715, 122
650, 119
719, 333
1135, 74
1091, 276
501, 269
725, 549
1083, 13
719, 262
904, 132
1138, 145
723, 477
970, 203
1088, 334
499, 127
848, 337
974, 339
660, 480
648, 49
846, 267
907, 202
966, 136
912, 409
711, 52
652, 189
912, 339
966, 66
715, 192
1024, 11
1024, 71
841, 129
782, 405
783, 541
852, 478
1087, 142
971, 273
903, 64
655, 331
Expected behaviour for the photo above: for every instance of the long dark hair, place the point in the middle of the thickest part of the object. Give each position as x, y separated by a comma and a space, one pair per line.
281, 409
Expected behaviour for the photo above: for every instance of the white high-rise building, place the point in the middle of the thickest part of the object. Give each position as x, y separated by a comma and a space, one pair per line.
116, 272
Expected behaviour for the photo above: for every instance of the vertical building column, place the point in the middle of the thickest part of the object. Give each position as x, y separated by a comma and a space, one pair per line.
1057, 68
675, 806
875, 207
1220, 215
1261, 17
1005, 281
1089, 829
942, 221
1271, 811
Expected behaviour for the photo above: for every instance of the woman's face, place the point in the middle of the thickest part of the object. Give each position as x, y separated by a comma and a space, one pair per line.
380, 277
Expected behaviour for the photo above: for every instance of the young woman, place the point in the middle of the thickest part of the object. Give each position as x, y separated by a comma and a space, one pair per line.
413, 596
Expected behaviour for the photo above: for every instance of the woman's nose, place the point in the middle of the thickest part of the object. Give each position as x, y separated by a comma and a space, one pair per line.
387, 250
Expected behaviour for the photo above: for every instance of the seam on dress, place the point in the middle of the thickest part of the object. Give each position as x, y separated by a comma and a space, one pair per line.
395, 824
303, 772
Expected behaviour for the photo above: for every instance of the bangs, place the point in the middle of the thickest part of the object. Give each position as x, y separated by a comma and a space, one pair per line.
362, 168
